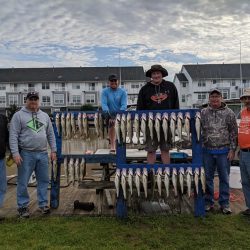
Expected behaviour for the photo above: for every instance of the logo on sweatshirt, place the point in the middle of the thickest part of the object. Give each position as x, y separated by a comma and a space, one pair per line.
159, 97
35, 125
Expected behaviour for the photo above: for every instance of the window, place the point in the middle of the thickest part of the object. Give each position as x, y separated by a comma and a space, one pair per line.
45, 85
24, 99
233, 83
60, 86
233, 94
76, 99
122, 84
45, 100
2, 100
92, 86
184, 84
214, 81
90, 98
201, 84
2, 87
15, 87
183, 98
13, 99
135, 86
59, 98
201, 96
31, 87
75, 86
225, 94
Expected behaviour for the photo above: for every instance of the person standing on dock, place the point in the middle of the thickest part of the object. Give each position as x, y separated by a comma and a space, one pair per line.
113, 100
157, 94
219, 140
244, 143
30, 132
3, 145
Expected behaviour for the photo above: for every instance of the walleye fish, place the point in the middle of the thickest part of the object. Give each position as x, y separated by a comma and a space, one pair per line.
117, 181
101, 126
203, 180
151, 125
77, 170
165, 125
166, 180
54, 166
123, 182
71, 171
58, 123
137, 180
73, 124
145, 181
68, 126
189, 174
129, 128
82, 169
96, 123
196, 179
174, 181
181, 178
63, 125
187, 125
158, 180
79, 123
179, 125
85, 126
144, 126
158, 126
173, 126
130, 180
66, 169
118, 128
137, 128
198, 125
123, 127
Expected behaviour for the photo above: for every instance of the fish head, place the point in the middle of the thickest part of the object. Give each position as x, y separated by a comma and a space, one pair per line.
68, 116
118, 117
124, 171
173, 116
174, 171
187, 115
145, 171
138, 172
118, 171
136, 117
144, 117
165, 116
197, 171
180, 115
198, 115
182, 170
72, 116
159, 171
130, 171
57, 116
71, 161
62, 116
129, 116
124, 117
79, 116
158, 116
151, 115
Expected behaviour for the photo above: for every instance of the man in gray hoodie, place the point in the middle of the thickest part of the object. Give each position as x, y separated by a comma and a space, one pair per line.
30, 132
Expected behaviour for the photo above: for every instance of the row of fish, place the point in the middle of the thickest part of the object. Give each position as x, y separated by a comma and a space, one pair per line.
69, 126
124, 177
154, 124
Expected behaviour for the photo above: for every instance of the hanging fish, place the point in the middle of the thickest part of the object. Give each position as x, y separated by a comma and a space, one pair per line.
118, 128
189, 174
151, 125
158, 126
145, 181
130, 180
101, 126
144, 126
159, 180
68, 126
165, 125
71, 171
179, 125
73, 124
203, 180
181, 179
166, 180
174, 181
79, 124
198, 125
137, 128
123, 127
63, 125
117, 181
77, 170
173, 126
129, 128
66, 169
58, 123
123, 182
96, 124
187, 125
82, 169
85, 126
54, 166
196, 179
137, 180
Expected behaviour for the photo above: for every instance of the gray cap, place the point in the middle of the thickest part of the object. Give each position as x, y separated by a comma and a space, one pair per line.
215, 91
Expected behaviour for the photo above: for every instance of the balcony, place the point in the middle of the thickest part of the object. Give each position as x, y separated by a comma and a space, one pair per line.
44, 104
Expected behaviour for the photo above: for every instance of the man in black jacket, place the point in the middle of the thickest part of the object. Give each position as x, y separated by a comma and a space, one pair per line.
3, 144
157, 94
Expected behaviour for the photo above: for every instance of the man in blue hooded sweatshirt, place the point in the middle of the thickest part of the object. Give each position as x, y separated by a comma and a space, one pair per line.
30, 132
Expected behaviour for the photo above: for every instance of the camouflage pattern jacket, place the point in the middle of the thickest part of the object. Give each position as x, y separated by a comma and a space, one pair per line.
219, 128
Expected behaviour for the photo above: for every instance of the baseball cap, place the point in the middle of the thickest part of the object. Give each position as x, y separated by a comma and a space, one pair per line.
32, 95
113, 77
215, 91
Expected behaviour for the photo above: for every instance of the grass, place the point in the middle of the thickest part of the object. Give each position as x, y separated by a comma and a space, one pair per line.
161, 232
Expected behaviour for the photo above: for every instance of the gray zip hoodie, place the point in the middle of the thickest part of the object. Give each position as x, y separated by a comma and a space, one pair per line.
31, 131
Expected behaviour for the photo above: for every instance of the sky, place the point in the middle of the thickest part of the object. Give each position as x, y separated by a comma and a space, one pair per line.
92, 33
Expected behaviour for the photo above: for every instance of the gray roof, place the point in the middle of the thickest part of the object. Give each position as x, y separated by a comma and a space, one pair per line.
218, 71
181, 77
70, 74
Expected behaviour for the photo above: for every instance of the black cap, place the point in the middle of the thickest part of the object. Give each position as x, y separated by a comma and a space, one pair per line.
32, 95
113, 77
215, 91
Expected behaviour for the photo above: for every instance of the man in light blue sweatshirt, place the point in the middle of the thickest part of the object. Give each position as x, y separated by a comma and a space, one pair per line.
30, 132
114, 99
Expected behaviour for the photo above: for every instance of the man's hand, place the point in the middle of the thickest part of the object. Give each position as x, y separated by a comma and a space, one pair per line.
111, 122
230, 155
53, 156
18, 160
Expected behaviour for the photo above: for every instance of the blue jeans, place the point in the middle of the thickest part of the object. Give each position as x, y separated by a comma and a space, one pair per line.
211, 161
38, 162
3, 181
245, 175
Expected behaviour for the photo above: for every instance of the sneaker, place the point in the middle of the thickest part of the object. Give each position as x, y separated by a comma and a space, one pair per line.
246, 212
226, 210
23, 212
209, 208
45, 210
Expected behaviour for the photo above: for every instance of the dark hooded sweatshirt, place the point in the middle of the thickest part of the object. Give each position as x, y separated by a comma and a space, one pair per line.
4, 136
